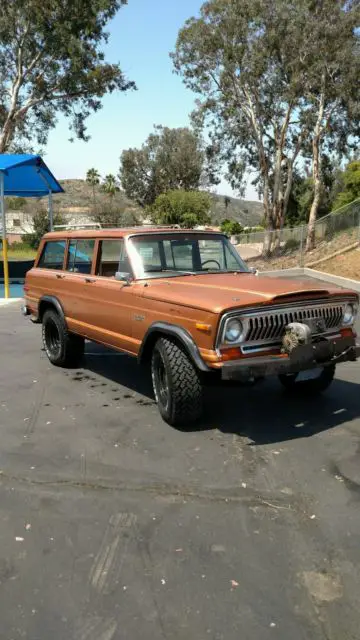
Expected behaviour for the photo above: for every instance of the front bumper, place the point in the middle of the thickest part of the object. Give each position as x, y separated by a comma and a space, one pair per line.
302, 358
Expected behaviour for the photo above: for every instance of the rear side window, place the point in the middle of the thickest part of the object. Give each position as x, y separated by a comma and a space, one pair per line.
80, 256
52, 256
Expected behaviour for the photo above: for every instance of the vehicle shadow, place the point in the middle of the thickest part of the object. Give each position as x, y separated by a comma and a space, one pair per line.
263, 413
119, 369
266, 414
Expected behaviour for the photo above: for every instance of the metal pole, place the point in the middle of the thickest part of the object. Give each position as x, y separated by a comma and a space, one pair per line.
51, 212
50, 200
4, 240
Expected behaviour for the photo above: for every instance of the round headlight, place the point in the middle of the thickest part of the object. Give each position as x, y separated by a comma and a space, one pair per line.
349, 314
234, 329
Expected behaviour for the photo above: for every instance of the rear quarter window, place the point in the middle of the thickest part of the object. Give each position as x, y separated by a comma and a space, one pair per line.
52, 255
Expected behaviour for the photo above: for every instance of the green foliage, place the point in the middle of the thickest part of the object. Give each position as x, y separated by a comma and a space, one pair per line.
350, 183
302, 194
169, 159
52, 60
41, 226
185, 208
116, 217
291, 244
20, 251
93, 177
255, 229
14, 203
231, 227
227, 202
274, 84
110, 185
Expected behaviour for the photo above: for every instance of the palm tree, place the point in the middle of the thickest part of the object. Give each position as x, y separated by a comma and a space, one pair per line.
110, 186
93, 178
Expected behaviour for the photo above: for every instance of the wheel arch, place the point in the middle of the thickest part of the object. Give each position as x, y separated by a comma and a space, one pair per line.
50, 302
183, 337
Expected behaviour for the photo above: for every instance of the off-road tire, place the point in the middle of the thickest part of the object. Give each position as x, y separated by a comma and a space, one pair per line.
181, 403
309, 387
64, 349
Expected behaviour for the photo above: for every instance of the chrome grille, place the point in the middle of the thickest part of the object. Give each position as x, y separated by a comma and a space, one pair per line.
270, 326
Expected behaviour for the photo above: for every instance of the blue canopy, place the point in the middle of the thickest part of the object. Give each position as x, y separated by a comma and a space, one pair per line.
27, 176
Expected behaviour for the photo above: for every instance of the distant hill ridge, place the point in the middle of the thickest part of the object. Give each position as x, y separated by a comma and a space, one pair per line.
78, 199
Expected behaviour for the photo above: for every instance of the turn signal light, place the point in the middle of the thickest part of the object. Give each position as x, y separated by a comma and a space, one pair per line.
231, 354
347, 333
203, 327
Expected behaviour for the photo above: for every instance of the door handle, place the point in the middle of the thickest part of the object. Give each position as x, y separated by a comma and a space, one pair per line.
60, 276
90, 280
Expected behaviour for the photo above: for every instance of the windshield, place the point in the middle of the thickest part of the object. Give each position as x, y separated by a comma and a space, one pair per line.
184, 254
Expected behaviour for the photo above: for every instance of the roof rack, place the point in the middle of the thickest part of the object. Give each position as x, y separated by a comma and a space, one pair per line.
98, 225
93, 225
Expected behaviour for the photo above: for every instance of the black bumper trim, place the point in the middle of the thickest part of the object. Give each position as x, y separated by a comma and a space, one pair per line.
302, 358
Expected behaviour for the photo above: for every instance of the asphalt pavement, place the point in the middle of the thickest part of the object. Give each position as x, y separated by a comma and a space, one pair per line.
115, 526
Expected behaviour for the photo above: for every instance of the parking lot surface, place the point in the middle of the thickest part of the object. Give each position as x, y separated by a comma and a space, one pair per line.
116, 526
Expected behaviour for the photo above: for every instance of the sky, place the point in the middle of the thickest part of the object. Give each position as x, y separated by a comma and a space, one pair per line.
141, 37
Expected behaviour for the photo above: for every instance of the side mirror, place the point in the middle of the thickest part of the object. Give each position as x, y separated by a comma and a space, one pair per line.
254, 271
122, 276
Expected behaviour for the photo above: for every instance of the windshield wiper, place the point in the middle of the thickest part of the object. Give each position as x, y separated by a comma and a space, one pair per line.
215, 271
175, 271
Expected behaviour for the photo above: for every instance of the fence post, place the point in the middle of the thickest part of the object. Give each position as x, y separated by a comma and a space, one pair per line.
359, 228
301, 258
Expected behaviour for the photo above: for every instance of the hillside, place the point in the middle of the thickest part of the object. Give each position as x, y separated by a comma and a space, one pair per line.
78, 198
248, 212
346, 265
289, 258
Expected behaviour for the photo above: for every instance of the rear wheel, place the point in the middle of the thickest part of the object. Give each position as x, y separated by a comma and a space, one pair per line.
176, 383
309, 382
64, 349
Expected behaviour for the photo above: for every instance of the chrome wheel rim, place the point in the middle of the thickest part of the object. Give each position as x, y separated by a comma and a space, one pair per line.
160, 380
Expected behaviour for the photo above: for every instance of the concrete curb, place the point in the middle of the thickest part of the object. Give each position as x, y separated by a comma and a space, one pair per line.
4, 302
345, 283
294, 271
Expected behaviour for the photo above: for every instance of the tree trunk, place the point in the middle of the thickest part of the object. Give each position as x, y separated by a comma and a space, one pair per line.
278, 215
310, 240
268, 219
6, 136
94, 201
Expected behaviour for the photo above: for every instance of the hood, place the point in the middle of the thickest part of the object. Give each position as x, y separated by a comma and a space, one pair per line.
220, 292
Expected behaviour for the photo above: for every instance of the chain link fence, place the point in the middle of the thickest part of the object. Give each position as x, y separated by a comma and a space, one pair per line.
286, 248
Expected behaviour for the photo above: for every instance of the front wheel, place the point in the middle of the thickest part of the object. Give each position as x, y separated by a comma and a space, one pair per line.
176, 383
311, 382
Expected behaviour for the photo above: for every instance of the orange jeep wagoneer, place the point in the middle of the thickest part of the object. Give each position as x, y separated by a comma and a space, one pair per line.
185, 302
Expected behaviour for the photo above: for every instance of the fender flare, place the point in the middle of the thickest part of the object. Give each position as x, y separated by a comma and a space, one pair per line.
50, 301
181, 334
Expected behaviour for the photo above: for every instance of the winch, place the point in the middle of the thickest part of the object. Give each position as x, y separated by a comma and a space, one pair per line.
296, 334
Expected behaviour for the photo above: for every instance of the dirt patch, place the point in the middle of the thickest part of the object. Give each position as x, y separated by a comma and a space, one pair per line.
323, 587
346, 265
